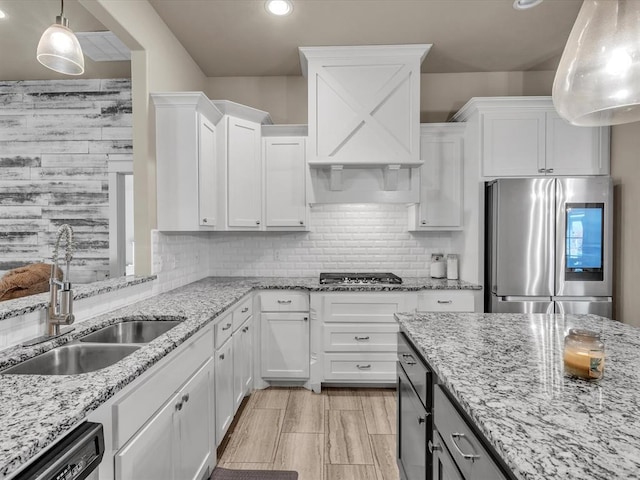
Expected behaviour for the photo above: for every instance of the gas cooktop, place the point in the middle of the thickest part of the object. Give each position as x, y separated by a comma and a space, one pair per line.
340, 278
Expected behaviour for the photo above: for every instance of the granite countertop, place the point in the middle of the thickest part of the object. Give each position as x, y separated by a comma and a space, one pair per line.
506, 372
36, 410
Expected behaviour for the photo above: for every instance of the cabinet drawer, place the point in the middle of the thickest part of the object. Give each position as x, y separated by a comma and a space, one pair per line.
222, 329
473, 460
135, 409
446, 301
284, 301
370, 367
358, 337
363, 307
243, 311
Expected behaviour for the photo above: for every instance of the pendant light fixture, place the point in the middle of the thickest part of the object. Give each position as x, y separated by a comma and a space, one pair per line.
59, 48
598, 79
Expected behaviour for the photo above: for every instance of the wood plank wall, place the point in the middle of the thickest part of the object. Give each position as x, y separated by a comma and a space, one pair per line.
56, 139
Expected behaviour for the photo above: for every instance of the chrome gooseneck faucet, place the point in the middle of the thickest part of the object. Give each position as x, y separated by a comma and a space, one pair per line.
60, 310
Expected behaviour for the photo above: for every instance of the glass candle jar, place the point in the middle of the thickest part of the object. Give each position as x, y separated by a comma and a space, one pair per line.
584, 354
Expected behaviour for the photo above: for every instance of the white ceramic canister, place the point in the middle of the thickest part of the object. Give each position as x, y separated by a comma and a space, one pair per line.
438, 266
452, 266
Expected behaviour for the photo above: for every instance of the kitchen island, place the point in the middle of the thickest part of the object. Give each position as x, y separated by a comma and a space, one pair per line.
37, 410
505, 372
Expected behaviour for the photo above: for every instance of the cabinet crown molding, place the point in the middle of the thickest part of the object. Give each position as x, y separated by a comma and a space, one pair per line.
500, 103
360, 51
197, 100
251, 114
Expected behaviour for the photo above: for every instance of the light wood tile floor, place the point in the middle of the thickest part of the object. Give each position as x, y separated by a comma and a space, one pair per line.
339, 434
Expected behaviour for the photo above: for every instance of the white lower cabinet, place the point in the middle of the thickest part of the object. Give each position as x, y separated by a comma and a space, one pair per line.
358, 332
242, 362
224, 388
285, 345
176, 443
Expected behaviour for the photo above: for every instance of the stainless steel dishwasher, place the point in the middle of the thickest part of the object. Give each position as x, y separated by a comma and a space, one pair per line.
415, 399
74, 457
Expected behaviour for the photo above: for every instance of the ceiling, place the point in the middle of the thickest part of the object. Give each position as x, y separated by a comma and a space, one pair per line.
238, 37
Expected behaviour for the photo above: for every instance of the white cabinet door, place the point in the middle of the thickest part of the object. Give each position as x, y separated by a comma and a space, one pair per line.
575, 150
247, 348
513, 143
238, 367
284, 167
440, 181
285, 345
224, 389
151, 452
244, 208
195, 440
242, 362
207, 187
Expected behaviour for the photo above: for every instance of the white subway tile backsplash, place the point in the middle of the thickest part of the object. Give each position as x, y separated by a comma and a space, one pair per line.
342, 237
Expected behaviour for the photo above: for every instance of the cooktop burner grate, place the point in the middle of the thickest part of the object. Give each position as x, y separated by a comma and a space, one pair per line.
357, 278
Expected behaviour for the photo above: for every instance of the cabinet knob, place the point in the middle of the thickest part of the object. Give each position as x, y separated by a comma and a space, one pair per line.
423, 222
549, 170
541, 170
185, 398
204, 220
305, 318
178, 406
245, 310
421, 420
434, 447
222, 356
301, 222
257, 222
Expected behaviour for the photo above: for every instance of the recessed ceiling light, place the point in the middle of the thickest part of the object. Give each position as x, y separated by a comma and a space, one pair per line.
524, 4
2, 14
280, 8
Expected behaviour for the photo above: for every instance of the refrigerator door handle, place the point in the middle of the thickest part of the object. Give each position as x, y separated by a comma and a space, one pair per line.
511, 298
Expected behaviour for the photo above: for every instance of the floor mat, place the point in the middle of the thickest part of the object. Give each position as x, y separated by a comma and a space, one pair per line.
226, 474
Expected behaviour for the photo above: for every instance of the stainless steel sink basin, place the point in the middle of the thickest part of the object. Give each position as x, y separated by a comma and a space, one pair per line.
73, 359
137, 331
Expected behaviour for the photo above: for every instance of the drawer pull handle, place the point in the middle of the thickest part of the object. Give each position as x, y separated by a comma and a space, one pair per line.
284, 302
444, 302
185, 398
466, 456
361, 338
434, 447
305, 318
421, 419
245, 310
222, 356
227, 327
364, 367
178, 406
245, 329
408, 362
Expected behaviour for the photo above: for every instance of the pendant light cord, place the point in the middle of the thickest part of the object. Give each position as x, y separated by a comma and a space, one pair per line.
62, 8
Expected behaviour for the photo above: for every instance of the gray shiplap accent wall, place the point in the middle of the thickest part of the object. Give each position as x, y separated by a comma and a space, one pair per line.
56, 139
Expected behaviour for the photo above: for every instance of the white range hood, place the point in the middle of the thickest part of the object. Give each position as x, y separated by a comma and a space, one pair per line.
364, 121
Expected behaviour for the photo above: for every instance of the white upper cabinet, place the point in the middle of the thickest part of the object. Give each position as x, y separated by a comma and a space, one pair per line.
285, 205
440, 206
524, 136
240, 166
186, 156
364, 104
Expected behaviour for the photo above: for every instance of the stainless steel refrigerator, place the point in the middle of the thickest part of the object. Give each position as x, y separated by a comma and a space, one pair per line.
549, 245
